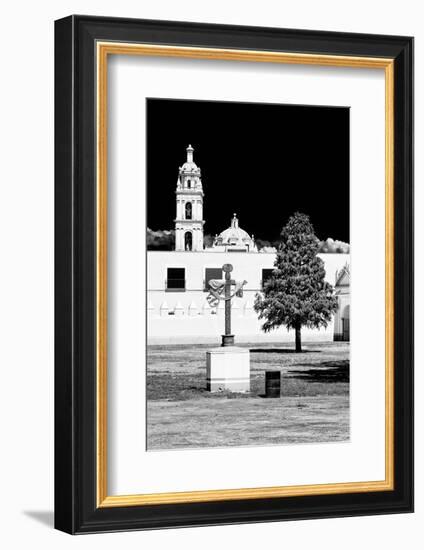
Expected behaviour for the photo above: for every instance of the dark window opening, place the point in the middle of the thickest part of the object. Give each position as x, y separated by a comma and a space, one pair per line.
175, 278
188, 211
188, 184
212, 273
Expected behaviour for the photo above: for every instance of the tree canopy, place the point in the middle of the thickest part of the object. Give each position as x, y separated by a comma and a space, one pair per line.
297, 295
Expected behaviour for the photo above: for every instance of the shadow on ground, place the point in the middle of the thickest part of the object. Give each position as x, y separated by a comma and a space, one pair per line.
328, 371
46, 517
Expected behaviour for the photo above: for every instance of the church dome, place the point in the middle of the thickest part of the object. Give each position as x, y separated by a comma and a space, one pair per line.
235, 238
189, 167
234, 232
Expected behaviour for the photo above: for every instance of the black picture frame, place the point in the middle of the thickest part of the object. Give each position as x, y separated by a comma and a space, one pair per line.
76, 509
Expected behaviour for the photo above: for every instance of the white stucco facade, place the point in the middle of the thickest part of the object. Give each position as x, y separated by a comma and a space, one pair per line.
182, 314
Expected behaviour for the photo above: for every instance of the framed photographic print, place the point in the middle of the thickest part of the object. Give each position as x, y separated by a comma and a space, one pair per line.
234, 262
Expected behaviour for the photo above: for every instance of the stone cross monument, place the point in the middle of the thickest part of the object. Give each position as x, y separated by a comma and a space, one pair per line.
228, 338
227, 367
221, 290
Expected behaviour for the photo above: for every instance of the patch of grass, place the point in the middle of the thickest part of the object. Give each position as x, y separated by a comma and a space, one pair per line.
178, 373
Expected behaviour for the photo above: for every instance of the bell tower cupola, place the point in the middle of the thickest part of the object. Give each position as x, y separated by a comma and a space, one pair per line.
189, 198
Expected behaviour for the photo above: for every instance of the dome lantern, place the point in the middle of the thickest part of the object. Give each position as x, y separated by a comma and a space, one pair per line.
189, 153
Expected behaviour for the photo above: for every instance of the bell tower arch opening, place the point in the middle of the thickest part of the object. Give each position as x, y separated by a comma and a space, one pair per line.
188, 241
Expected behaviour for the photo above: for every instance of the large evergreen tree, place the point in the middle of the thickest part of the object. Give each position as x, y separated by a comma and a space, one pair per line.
297, 295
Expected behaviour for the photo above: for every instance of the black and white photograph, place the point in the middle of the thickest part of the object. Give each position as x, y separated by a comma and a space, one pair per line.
248, 274
209, 298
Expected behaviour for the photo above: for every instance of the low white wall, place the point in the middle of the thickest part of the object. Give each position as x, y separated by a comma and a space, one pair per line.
207, 328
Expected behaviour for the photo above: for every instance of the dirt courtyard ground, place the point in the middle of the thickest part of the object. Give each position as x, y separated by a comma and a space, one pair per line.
313, 407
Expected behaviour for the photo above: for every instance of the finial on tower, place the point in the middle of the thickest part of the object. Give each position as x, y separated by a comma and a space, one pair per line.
189, 153
234, 221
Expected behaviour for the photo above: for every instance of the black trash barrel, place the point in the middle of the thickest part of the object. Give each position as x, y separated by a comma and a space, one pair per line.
272, 383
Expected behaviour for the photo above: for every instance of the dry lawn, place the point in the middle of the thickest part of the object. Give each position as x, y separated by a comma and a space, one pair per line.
313, 407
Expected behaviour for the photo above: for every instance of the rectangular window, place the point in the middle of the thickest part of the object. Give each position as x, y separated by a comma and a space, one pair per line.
212, 273
266, 274
175, 278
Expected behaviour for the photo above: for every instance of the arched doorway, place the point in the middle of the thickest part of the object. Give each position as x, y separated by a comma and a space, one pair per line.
188, 240
346, 323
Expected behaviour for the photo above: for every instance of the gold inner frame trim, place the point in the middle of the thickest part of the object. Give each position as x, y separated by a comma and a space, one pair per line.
103, 50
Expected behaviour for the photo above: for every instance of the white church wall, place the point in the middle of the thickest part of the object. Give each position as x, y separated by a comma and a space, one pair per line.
208, 328
179, 316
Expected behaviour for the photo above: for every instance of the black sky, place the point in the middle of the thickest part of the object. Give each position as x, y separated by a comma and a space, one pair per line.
262, 161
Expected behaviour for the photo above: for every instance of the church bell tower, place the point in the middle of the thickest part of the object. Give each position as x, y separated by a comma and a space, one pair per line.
189, 197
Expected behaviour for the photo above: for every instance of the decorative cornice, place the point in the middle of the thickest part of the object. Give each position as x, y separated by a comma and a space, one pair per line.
189, 192
202, 222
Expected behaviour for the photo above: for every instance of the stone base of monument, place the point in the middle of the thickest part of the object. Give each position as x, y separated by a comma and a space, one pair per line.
228, 368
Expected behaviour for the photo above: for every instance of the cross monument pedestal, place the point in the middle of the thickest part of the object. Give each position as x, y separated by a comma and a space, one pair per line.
228, 367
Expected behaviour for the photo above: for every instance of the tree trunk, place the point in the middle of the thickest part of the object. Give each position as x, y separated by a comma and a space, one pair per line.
298, 340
